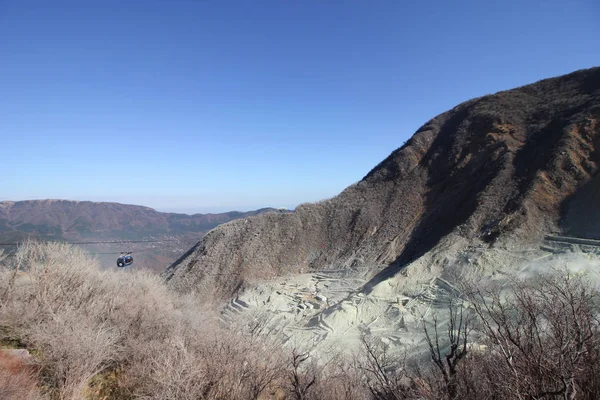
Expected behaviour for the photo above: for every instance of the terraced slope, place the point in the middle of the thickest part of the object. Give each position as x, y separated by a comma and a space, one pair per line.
494, 171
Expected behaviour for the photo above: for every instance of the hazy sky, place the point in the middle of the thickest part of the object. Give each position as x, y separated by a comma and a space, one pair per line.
212, 105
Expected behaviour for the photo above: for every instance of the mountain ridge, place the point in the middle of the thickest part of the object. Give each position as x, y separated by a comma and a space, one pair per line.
497, 170
75, 219
99, 222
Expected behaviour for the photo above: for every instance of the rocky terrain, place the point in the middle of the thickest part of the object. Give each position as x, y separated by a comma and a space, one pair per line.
499, 186
86, 221
500, 171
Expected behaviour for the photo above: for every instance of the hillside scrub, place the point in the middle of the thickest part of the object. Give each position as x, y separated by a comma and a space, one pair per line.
124, 335
542, 338
90, 328
18, 379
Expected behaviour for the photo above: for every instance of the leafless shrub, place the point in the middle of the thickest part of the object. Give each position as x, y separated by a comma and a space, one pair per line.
386, 376
447, 355
73, 350
18, 379
170, 372
546, 333
84, 322
51, 301
301, 375
342, 379
223, 367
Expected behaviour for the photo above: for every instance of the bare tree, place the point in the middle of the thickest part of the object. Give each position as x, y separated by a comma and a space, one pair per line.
447, 360
385, 374
343, 379
301, 375
545, 331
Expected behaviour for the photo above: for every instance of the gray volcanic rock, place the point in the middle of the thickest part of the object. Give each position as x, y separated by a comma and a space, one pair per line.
495, 171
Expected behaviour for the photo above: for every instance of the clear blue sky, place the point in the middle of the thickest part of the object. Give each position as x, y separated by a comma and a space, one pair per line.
209, 105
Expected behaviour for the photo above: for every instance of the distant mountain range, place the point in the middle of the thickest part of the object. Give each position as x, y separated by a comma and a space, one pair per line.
98, 221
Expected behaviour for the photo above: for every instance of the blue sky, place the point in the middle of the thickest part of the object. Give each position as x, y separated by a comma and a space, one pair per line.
206, 105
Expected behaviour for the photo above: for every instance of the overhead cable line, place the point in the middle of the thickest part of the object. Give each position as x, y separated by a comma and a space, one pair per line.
114, 241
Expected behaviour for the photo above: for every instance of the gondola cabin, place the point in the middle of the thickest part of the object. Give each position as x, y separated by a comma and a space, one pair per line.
124, 261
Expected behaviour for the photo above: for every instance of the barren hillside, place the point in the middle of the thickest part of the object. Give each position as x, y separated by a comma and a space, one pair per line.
499, 170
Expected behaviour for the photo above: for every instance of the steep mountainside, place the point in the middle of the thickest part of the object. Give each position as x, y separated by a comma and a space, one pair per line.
499, 170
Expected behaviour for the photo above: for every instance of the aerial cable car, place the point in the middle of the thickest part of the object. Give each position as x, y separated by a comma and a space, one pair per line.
124, 260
